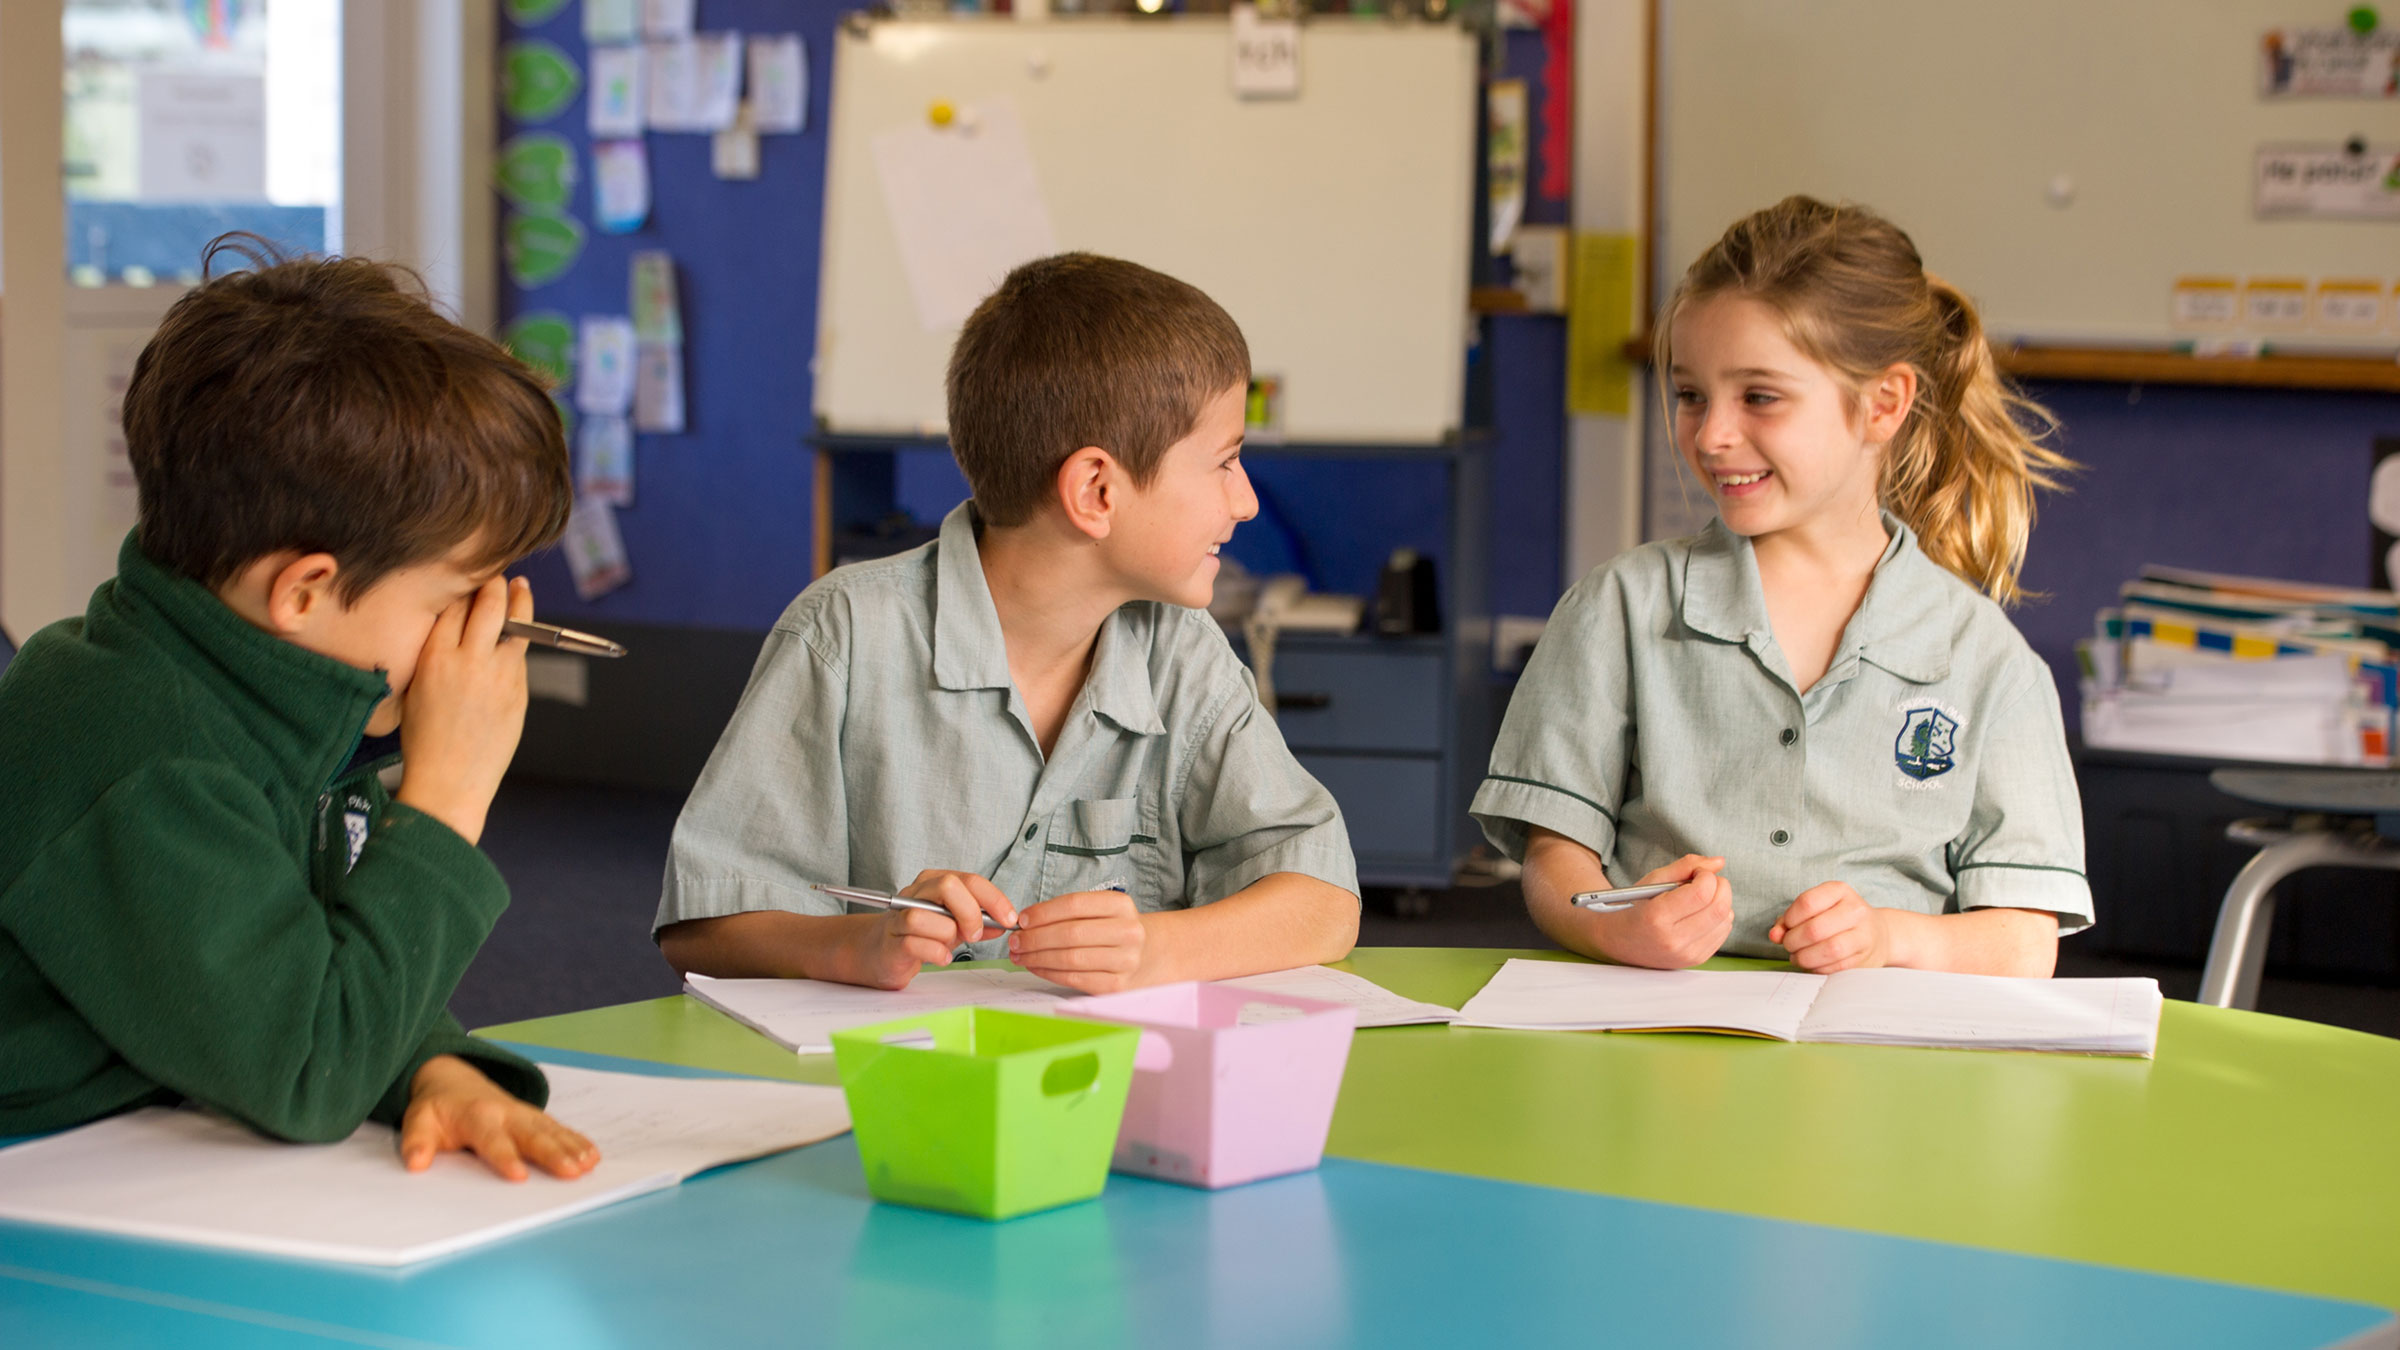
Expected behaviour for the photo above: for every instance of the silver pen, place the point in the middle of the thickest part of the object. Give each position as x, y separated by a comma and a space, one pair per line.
1624, 897
886, 900
565, 639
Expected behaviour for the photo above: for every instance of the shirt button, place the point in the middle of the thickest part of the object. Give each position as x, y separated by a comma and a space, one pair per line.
1790, 735
1032, 830
1780, 838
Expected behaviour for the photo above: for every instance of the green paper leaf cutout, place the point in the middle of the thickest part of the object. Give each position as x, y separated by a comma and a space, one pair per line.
540, 248
537, 80
566, 418
527, 13
544, 341
536, 171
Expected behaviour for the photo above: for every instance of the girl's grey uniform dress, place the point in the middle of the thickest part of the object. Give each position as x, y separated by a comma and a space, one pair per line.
1928, 767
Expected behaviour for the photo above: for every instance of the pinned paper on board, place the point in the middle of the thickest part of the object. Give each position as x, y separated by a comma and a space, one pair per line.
544, 341
611, 20
540, 248
733, 153
604, 460
669, 18
2328, 182
620, 185
658, 387
671, 90
594, 548
657, 315
966, 206
1508, 107
1599, 324
616, 108
778, 83
537, 80
717, 94
604, 380
536, 171
2329, 63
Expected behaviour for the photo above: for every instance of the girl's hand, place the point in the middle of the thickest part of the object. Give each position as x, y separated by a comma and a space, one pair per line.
1682, 928
451, 1105
1829, 928
1092, 941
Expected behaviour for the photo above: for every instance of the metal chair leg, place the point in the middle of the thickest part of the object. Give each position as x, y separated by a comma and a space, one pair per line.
2237, 954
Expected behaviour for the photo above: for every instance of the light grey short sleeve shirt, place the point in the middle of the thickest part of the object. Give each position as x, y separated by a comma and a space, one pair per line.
1928, 767
882, 735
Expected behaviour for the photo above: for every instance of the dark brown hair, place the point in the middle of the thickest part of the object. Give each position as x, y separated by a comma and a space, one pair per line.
1854, 297
323, 404
1081, 350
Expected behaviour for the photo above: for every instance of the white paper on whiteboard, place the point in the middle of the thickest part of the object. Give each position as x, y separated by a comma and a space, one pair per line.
966, 207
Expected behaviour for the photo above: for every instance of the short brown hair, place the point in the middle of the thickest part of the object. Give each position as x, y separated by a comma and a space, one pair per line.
323, 404
1080, 350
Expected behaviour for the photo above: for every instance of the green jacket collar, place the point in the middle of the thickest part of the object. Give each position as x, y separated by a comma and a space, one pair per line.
304, 709
1903, 624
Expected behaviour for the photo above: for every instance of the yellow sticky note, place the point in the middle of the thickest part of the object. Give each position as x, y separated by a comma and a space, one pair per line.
1599, 323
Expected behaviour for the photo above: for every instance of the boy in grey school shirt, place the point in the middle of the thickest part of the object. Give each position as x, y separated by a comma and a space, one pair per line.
1030, 719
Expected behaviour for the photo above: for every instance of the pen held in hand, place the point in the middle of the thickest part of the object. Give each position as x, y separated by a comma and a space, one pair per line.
1624, 897
565, 639
886, 900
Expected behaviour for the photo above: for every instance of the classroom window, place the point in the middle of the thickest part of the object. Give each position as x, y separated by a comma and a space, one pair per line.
188, 118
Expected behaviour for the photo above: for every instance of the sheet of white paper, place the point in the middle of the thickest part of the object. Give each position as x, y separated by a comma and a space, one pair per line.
604, 364
733, 152
658, 387
611, 20
657, 313
717, 95
802, 1015
966, 206
617, 107
186, 1176
1990, 1012
779, 82
604, 460
595, 550
668, 18
1580, 996
671, 86
1376, 1005
620, 185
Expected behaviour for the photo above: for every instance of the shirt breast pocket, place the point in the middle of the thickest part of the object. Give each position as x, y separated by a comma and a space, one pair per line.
1101, 844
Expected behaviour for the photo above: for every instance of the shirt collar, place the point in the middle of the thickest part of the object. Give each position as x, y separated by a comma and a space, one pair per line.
1903, 624
969, 651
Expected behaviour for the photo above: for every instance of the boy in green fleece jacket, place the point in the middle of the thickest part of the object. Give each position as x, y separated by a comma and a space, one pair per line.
205, 892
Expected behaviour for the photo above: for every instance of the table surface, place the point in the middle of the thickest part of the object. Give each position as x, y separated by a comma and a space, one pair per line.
2254, 1150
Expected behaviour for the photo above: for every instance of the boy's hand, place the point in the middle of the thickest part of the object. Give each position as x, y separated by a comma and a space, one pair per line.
451, 1105
1829, 928
1682, 928
904, 940
1092, 941
465, 708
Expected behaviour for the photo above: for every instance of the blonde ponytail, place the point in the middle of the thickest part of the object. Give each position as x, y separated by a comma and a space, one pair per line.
1855, 298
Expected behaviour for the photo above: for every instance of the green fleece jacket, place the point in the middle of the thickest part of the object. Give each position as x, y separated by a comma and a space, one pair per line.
198, 899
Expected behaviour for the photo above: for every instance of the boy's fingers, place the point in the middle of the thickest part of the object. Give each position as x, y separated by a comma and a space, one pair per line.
1077, 905
491, 606
520, 599
420, 1139
989, 899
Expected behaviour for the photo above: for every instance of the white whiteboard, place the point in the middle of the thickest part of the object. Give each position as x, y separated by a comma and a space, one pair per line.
1334, 227
1953, 120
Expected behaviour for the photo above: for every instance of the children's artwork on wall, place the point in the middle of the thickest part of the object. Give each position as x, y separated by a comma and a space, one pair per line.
616, 108
611, 20
540, 248
719, 93
658, 387
536, 171
778, 83
604, 460
620, 185
605, 363
657, 315
544, 341
668, 18
695, 84
537, 80
965, 205
733, 154
2329, 63
595, 551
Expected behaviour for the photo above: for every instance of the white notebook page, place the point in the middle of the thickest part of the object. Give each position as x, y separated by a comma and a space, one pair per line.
1376, 1005
1581, 996
1929, 1007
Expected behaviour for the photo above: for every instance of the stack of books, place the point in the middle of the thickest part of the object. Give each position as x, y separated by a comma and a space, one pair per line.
2228, 667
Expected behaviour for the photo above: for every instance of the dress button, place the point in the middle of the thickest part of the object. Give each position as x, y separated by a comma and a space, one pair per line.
1790, 735
1780, 838
1032, 830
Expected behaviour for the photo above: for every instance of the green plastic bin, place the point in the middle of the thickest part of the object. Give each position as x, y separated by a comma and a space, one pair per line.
997, 1114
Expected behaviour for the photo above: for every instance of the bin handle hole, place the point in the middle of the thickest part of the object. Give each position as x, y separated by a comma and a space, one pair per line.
910, 1040
1072, 1074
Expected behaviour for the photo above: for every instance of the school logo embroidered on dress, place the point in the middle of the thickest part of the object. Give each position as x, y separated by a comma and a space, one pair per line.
1928, 743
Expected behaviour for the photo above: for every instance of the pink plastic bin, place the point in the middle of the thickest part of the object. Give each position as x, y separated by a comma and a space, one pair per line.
1229, 1085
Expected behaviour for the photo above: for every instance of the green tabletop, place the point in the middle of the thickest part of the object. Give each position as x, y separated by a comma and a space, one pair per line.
2255, 1150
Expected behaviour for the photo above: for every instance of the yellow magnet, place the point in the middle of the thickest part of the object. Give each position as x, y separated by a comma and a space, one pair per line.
941, 114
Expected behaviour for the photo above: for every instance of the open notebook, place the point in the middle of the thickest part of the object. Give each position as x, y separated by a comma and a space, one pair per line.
190, 1176
802, 1015
1856, 1007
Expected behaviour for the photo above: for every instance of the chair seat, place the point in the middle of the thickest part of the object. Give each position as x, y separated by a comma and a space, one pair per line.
2352, 792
